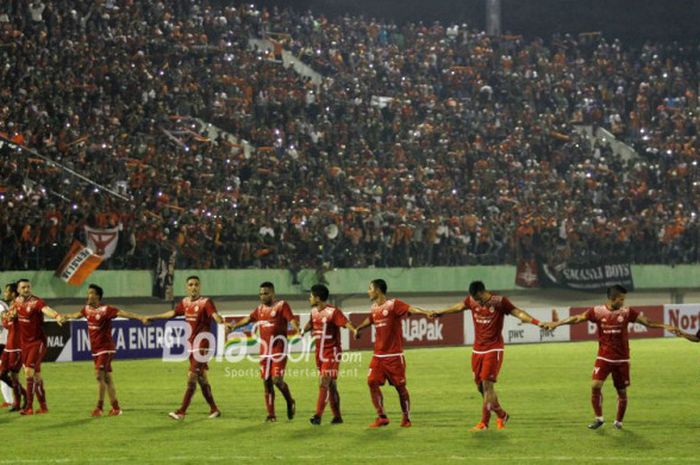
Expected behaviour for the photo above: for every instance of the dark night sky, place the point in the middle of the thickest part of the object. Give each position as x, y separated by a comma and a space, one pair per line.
632, 21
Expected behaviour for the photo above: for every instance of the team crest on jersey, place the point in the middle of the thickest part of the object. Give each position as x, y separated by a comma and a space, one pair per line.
604, 320
323, 320
98, 316
273, 313
196, 308
619, 319
491, 309
385, 312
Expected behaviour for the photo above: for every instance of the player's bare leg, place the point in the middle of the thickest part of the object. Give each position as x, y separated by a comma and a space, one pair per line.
284, 389
112, 391
597, 402
270, 399
101, 388
621, 407
323, 398
335, 402
179, 414
208, 396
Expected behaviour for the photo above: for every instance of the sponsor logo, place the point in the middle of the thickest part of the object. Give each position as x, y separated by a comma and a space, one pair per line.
683, 321
516, 334
422, 330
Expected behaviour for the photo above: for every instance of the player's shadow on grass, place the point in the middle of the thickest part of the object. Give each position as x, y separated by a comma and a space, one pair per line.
66, 424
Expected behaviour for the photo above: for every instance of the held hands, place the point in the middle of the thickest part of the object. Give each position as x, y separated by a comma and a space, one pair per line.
357, 334
145, 321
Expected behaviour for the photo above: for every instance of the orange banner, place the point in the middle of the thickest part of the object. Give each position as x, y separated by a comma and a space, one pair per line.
78, 264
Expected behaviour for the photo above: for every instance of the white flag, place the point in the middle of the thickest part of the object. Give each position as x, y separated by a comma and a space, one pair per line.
102, 241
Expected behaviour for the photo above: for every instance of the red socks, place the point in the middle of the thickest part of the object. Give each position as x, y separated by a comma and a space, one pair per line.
189, 392
208, 396
322, 399
30, 392
621, 405
377, 399
405, 400
597, 401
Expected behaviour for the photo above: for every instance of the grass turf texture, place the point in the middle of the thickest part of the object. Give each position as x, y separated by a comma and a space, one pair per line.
545, 388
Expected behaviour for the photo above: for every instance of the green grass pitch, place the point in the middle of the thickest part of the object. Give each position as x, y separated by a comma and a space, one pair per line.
545, 388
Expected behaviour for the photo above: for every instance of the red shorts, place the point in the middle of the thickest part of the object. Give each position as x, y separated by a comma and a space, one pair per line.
199, 360
103, 361
273, 366
620, 372
11, 361
32, 355
487, 366
328, 364
391, 368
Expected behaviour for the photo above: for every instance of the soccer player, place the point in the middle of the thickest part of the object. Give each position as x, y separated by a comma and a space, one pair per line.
99, 317
613, 357
488, 314
272, 317
30, 311
388, 362
11, 358
199, 312
326, 322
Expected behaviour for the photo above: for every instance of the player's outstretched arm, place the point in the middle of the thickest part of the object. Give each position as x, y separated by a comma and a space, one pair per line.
307, 328
456, 308
572, 320
162, 316
641, 319
680, 333
362, 326
525, 317
72, 316
133, 316
51, 313
351, 328
240, 323
420, 311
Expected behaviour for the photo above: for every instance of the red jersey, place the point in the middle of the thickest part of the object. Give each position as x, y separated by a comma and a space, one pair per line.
99, 320
198, 315
272, 323
389, 331
10, 324
488, 322
613, 338
326, 326
31, 319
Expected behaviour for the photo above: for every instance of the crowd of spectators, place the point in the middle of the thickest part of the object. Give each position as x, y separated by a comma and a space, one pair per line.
424, 145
